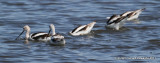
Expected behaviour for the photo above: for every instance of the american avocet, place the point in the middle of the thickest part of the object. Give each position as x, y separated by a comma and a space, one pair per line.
116, 21
133, 14
82, 30
56, 39
40, 36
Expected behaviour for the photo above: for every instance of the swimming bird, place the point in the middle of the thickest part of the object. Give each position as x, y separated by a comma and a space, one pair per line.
116, 21
40, 36
83, 29
56, 39
133, 14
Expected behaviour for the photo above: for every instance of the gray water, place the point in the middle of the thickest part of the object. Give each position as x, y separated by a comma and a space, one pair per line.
136, 39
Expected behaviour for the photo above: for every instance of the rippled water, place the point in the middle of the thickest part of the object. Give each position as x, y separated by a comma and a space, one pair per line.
102, 45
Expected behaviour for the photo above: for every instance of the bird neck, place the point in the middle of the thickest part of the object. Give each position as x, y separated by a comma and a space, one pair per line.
53, 31
27, 34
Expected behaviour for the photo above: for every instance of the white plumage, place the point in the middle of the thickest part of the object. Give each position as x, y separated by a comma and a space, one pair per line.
83, 29
40, 36
131, 14
116, 21
56, 39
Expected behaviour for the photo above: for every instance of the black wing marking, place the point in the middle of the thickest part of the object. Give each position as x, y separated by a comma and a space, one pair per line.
35, 34
78, 28
83, 28
120, 19
131, 14
111, 18
75, 29
41, 36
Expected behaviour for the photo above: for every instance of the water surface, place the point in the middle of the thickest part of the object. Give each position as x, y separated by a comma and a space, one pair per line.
102, 45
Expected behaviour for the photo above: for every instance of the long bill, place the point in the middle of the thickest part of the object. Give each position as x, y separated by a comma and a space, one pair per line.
19, 35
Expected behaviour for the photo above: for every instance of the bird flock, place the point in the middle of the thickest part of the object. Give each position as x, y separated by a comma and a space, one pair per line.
116, 21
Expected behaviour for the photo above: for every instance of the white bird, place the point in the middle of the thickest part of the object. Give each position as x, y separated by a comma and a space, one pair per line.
116, 21
83, 29
56, 39
133, 14
40, 36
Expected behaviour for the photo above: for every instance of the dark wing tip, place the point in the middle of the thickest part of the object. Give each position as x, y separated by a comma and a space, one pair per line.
144, 9
108, 21
75, 29
120, 19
